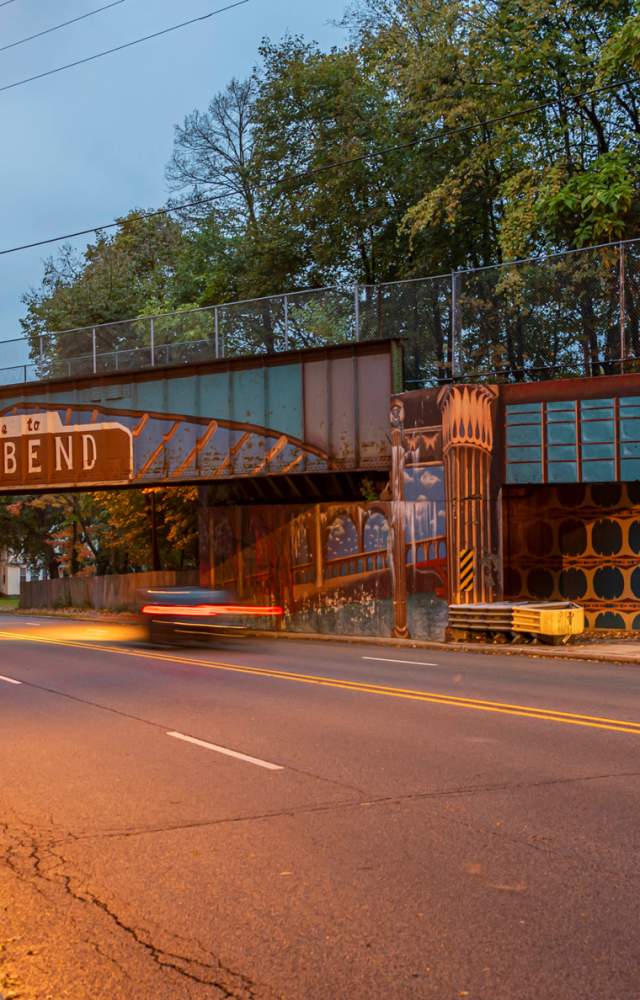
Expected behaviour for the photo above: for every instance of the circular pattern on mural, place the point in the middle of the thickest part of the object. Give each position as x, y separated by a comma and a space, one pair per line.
608, 582
540, 583
539, 538
635, 582
606, 494
516, 538
609, 620
573, 584
606, 537
512, 581
539, 497
572, 536
633, 492
570, 494
634, 536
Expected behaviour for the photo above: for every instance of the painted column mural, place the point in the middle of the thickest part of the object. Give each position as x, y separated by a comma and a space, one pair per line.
467, 447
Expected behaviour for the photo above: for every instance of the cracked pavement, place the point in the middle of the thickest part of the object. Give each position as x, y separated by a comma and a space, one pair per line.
404, 850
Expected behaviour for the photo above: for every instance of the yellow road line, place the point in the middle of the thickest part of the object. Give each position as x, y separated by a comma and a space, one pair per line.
362, 687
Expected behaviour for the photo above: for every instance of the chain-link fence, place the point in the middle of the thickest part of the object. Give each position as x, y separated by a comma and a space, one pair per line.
570, 314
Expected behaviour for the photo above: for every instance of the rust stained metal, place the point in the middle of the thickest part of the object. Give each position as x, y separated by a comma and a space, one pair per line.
138, 429
292, 465
158, 451
233, 451
195, 451
279, 446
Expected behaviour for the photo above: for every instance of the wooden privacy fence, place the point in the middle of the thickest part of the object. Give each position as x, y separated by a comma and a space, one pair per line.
100, 592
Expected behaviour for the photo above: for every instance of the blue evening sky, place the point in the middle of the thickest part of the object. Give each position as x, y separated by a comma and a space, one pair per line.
86, 145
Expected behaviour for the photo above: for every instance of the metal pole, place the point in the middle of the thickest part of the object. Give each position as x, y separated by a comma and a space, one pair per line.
356, 309
216, 332
623, 309
93, 348
152, 333
286, 323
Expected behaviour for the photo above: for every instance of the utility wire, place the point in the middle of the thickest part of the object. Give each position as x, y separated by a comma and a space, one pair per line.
48, 31
306, 174
119, 48
6, 3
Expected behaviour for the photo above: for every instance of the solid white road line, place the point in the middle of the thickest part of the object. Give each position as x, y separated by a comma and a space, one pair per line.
9, 680
228, 753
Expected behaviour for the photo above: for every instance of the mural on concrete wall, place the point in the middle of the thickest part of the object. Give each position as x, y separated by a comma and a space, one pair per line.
579, 543
443, 440
571, 506
330, 565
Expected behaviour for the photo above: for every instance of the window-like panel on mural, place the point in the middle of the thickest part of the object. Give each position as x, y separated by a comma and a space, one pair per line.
570, 441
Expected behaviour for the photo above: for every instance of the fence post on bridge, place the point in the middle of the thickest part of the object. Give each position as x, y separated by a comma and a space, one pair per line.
622, 290
93, 349
286, 322
215, 332
356, 309
152, 336
456, 346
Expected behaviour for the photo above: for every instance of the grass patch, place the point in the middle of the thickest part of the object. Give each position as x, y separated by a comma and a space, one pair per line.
9, 603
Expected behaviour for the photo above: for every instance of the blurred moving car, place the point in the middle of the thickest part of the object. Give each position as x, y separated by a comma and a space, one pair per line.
174, 615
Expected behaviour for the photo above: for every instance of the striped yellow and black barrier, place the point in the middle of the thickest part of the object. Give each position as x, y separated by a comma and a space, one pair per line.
466, 570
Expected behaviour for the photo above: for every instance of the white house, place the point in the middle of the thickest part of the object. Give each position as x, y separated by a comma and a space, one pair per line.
10, 573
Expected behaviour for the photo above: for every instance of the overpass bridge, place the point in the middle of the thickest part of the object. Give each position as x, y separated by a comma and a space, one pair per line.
329, 484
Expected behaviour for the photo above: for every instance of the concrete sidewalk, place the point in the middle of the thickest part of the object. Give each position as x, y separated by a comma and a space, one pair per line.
604, 649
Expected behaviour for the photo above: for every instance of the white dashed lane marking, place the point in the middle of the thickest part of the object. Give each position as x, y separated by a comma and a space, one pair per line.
227, 753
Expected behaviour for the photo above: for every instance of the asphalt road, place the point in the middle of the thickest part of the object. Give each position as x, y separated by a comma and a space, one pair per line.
345, 825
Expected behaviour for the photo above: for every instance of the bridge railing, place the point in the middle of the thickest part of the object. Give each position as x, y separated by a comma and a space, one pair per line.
568, 314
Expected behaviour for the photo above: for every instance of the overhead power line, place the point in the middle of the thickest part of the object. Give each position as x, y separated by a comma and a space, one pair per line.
119, 48
57, 27
6, 3
304, 175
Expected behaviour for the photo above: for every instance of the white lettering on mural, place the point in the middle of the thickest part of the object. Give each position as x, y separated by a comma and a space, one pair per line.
89, 452
34, 460
10, 463
64, 453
